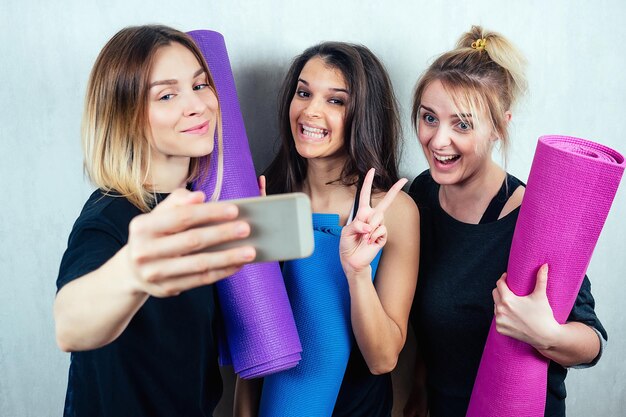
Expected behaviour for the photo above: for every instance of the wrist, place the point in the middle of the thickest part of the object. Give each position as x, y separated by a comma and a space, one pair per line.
126, 274
550, 339
358, 276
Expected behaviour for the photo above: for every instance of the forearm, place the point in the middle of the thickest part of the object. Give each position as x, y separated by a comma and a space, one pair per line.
247, 397
379, 337
571, 344
94, 310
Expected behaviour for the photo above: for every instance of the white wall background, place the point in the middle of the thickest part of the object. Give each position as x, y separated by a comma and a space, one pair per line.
577, 86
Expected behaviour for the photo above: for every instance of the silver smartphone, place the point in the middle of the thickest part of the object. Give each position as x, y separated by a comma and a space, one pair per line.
281, 227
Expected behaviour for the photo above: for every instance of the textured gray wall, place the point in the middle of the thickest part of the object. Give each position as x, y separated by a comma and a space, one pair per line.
577, 87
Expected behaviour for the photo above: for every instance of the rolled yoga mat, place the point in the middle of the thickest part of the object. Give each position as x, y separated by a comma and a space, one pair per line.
571, 186
261, 335
320, 298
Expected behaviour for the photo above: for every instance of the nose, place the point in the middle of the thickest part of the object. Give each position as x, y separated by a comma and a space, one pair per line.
440, 138
194, 105
313, 108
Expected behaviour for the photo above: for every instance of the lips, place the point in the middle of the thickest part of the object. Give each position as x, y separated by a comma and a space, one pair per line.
446, 159
200, 129
314, 133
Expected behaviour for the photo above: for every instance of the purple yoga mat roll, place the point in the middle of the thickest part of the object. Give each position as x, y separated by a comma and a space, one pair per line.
570, 190
261, 335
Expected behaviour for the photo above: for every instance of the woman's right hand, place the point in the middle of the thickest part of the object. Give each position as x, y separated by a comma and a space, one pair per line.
165, 247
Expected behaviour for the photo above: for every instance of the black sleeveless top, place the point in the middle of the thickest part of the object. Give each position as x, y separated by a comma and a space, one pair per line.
453, 306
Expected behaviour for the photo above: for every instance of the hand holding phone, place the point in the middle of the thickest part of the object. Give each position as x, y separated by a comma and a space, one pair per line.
281, 227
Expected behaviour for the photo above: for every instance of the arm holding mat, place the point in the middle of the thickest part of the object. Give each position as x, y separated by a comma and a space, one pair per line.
570, 190
531, 320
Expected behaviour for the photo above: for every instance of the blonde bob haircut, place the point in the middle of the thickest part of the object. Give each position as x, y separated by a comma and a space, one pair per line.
115, 120
484, 80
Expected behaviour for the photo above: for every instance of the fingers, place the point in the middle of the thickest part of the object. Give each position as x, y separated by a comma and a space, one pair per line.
177, 218
502, 287
378, 236
262, 186
192, 240
498, 294
542, 280
391, 195
366, 190
180, 197
174, 269
360, 227
176, 286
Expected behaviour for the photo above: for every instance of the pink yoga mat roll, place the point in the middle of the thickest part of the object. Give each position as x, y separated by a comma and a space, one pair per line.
570, 190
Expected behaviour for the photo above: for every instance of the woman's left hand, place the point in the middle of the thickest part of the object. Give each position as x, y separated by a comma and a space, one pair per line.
363, 238
529, 318
262, 185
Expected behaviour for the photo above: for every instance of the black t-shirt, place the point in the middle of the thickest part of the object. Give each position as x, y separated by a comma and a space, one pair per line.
165, 361
453, 307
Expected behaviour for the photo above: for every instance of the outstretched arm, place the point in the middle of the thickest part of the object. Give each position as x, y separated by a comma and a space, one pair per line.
160, 259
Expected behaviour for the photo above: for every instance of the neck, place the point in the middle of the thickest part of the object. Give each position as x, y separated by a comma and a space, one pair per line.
320, 172
168, 173
328, 198
468, 200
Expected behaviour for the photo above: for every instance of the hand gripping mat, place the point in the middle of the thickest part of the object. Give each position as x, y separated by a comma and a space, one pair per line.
571, 186
320, 298
261, 335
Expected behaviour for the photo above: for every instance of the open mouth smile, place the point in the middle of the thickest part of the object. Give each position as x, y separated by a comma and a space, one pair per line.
313, 132
446, 159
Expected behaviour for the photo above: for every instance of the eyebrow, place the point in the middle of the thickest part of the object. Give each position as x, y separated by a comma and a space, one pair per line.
462, 115
339, 90
172, 82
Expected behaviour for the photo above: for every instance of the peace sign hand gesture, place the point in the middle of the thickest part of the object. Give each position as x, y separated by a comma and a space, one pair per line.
362, 239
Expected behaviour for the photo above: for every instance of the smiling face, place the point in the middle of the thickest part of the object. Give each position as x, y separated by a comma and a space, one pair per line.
182, 107
318, 109
457, 148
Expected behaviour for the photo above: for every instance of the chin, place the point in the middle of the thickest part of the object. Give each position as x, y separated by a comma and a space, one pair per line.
444, 178
304, 151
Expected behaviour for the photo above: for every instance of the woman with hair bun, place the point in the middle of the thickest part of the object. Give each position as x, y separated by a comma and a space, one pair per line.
469, 205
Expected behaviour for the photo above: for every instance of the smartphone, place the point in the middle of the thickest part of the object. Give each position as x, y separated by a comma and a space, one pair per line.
281, 227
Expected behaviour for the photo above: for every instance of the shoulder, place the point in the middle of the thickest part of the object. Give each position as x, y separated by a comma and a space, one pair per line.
403, 203
423, 189
515, 200
105, 212
99, 232
422, 182
402, 216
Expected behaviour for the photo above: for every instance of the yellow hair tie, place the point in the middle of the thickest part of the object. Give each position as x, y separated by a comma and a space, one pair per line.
479, 44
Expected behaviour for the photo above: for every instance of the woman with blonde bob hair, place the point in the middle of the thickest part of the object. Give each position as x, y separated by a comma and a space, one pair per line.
134, 303
469, 206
